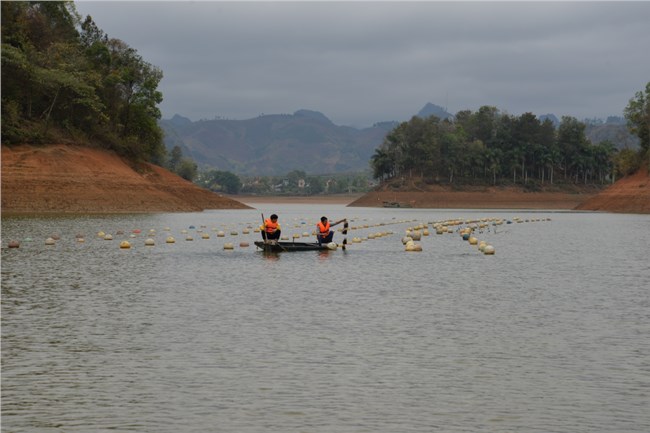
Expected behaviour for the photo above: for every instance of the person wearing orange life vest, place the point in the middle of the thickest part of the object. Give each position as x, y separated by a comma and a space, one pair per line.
323, 233
271, 229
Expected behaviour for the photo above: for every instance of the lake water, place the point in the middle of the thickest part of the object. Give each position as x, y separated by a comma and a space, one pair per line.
550, 334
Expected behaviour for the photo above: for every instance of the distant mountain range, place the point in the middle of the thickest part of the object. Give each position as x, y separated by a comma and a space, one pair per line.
306, 140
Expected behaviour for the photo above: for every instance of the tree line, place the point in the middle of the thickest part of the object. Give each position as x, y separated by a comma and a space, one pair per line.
64, 79
488, 146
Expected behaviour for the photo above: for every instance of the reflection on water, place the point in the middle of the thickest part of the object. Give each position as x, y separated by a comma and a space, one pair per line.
549, 334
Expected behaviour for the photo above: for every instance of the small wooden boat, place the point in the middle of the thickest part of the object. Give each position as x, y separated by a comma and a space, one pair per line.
279, 246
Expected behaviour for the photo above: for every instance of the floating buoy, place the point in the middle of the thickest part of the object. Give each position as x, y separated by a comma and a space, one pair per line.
119, 232
283, 238
125, 244
406, 239
136, 231
412, 246
14, 244
189, 238
243, 244
149, 242
108, 237
81, 240
488, 250
192, 227
296, 235
49, 241
55, 237
332, 246
245, 231
228, 246
101, 234
416, 235
205, 236
170, 240
221, 234
472, 240
305, 234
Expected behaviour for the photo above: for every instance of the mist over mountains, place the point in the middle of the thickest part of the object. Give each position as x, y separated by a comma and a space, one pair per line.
307, 140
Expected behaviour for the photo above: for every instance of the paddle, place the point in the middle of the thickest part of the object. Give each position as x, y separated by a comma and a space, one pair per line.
345, 232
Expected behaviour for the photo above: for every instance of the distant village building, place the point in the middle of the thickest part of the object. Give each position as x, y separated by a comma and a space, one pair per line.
301, 183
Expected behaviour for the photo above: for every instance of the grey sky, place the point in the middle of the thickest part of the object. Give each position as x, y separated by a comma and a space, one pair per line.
364, 62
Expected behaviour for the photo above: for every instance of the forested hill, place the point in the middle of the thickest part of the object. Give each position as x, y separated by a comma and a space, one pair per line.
307, 140
276, 144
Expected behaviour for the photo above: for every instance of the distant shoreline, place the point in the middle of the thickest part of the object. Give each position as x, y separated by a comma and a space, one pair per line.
343, 199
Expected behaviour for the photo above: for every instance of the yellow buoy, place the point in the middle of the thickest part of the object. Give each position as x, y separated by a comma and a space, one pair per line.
472, 240
488, 250
108, 237
205, 236
170, 240
125, 244
221, 234
228, 246
149, 242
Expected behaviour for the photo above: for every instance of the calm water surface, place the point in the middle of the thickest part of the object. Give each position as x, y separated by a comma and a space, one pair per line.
551, 334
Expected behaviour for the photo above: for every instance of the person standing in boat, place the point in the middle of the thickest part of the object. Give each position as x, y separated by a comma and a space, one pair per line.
271, 228
324, 234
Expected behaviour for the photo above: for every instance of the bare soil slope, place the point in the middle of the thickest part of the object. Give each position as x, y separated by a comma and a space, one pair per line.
445, 197
628, 195
75, 179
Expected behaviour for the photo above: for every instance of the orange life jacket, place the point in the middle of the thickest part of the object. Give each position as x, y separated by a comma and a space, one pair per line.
270, 226
324, 229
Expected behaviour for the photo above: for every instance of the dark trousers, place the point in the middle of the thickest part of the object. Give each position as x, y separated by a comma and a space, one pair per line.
325, 239
271, 236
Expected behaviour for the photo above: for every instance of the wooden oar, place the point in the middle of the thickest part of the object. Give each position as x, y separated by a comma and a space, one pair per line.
345, 232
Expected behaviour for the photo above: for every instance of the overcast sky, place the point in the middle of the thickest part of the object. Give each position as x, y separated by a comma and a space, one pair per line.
364, 62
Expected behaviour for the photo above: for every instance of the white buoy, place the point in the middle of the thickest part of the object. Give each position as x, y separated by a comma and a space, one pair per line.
108, 237
332, 246
488, 250
49, 241
221, 234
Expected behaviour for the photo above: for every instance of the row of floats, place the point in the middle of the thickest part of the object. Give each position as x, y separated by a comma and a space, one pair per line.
467, 229
467, 233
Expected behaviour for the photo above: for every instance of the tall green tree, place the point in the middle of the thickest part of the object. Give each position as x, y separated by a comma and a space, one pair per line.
64, 78
637, 114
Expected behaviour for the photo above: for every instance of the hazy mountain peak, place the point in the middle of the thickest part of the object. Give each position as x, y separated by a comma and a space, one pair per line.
315, 115
434, 110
